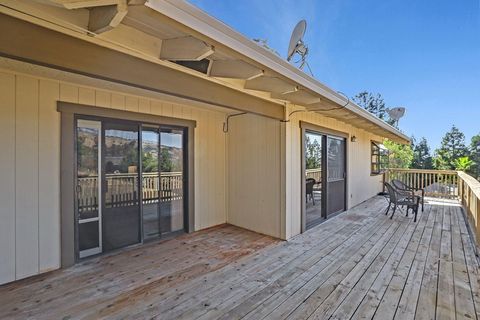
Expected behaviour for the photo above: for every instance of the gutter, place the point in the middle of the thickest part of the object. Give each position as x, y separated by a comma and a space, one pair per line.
196, 19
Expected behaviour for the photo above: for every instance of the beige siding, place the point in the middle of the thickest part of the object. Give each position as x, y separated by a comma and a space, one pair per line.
254, 177
7, 178
361, 185
30, 169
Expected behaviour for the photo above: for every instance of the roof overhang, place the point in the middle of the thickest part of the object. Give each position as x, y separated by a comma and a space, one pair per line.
176, 34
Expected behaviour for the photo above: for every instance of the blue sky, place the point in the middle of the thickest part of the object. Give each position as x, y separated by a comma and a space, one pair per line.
421, 54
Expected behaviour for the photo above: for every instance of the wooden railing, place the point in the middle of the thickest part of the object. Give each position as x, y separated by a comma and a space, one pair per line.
446, 184
469, 193
436, 183
314, 174
122, 189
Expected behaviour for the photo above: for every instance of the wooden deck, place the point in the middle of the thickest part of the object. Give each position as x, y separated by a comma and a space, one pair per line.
359, 264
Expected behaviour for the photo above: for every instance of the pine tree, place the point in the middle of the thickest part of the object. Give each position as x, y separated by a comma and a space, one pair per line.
475, 156
452, 148
421, 155
373, 104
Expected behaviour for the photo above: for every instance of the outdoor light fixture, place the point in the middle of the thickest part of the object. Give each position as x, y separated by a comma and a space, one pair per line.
353, 139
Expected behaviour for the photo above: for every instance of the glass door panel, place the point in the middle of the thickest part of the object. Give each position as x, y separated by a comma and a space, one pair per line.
313, 178
150, 182
121, 212
336, 175
171, 180
88, 188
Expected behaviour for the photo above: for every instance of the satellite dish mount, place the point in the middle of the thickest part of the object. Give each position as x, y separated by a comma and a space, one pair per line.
297, 46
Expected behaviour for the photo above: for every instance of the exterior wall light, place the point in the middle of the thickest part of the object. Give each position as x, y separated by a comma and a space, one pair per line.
353, 139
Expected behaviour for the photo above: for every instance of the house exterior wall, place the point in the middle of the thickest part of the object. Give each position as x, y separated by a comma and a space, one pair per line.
30, 164
249, 177
253, 174
361, 185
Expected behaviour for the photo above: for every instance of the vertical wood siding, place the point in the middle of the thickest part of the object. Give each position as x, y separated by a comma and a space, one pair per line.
254, 176
30, 165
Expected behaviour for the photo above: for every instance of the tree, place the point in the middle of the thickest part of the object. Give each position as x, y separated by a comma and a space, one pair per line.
463, 163
452, 148
373, 104
400, 155
475, 156
313, 153
421, 155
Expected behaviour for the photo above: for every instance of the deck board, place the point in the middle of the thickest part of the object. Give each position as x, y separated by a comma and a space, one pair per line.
357, 265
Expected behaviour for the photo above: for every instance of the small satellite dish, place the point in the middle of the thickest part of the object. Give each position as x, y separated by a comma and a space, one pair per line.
297, 46
396, 113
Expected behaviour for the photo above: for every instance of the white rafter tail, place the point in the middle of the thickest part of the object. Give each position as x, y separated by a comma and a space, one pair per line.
269, 84
105, 18
236, 69
185, 49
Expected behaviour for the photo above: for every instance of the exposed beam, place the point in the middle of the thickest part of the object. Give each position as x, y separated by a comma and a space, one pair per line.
269, 84
76, 4
185, 48
301, 97
105, 18
236, 69
39, 45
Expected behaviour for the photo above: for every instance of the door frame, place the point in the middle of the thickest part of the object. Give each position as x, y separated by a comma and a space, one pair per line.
69, 114
306, 127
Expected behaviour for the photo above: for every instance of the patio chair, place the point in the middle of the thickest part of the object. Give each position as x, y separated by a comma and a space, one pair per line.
397, 198
404, 187
310, 182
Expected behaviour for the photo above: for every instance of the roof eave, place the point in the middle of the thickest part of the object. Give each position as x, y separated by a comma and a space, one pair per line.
196, 19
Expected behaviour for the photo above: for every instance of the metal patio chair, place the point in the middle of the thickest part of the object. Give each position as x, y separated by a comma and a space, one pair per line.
401, 186
310, 182
398, 198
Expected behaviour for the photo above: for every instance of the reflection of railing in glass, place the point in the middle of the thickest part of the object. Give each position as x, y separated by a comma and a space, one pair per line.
122, 190
314, 174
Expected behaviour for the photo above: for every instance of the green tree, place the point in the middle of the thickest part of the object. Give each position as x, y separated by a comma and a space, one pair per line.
313, 151
422, 158
475, 156
400, 155
149, 162
452, 148
463, 163
374, 104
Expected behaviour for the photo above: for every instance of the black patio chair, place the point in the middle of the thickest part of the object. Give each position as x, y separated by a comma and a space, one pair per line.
310, 182
401, 199
401, 186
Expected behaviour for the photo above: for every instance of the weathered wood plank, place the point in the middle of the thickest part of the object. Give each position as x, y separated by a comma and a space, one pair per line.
446, 290
357, 265
391, 298
427, 301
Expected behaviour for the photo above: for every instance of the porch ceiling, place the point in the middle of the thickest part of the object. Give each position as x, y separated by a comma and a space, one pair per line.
167, 32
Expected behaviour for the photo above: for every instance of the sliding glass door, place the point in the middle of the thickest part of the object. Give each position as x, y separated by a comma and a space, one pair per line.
150, 182
336, 175
324, 180
88, 204
130, 184
121, 210
171, 181
313, 178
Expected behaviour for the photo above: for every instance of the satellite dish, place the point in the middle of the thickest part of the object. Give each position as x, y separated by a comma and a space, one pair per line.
297, 46
396, 113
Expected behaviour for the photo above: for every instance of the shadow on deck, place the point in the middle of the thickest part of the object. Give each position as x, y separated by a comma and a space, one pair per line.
359, 264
